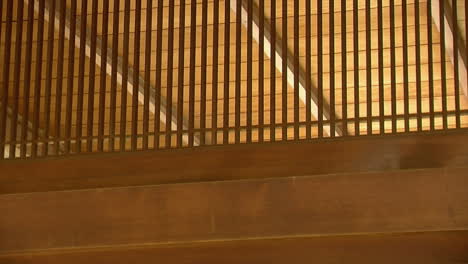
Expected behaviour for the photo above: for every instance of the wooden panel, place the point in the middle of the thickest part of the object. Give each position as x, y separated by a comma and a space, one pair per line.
237, 162
339, 204
411, 248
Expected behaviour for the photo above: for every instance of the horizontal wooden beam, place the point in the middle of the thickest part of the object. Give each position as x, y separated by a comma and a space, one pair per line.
404, 201
215, 163
409, 248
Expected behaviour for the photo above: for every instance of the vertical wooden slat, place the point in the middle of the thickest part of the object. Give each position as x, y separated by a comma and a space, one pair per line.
344, 70
418, 65
38, 84
331, 27
227, 33
356, 66
284, 91
81, 74
296, 69
214, 83
466, 28
238, 95
16, 84
405, 64
70, 80
261, 71
1, 19
123, 95
249, 70
393, 66
1, 89
103, 77
442, 64
27, 80
146, 101
180, 92
136, 74
320, 69
368, 68
273, 73
157, 103
113, 99
455, 63
6, 77
193, 53
430, 63
381, 68
48, 84
308, 70
203, 71
92, 77
59, 83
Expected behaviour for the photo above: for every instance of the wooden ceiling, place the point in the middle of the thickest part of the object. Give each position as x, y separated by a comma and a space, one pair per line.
102, 127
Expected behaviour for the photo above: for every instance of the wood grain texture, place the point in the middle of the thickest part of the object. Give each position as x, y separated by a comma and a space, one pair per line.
211, 163
427, 248
342, 204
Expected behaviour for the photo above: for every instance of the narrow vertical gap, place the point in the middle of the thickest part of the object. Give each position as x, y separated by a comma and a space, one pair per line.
273, 72
59, 83
261, 71
204, 45
431, 65
124, 87
381, 68
81, 73
48, 83
136, 74
308, 70
320, 68
103, 77
146, 100
356, 66
249, 69
180, 92
368, 68
92, 77
418, 65
238, 70
16, 84
113, 97
70, 81
6, 77
38, 83
405, 64
214, 101
157, 101
170, 64
331, 39
455, 63
442, 64
193, 56
284, 91
296, 69
393, 66
27, 81
344, 70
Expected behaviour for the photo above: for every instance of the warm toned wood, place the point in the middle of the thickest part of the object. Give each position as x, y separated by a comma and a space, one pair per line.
340, 204
412, 248
234, 162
